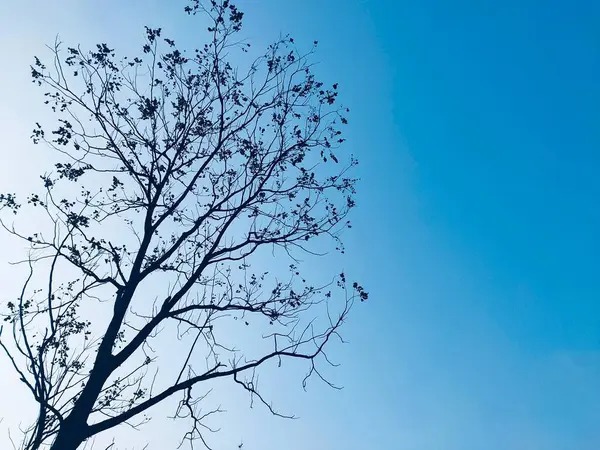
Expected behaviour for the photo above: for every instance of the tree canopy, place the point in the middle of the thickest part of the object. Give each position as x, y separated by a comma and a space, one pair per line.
187, 189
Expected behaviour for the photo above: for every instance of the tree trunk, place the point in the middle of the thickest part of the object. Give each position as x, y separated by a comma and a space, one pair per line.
69, 437
74, 430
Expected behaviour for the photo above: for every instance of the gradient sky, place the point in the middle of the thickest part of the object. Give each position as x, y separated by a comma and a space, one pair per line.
477, 127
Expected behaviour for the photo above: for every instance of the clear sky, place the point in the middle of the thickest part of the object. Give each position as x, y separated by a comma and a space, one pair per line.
477, 124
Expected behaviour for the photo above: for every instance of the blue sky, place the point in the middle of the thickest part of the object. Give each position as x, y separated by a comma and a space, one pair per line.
476, 124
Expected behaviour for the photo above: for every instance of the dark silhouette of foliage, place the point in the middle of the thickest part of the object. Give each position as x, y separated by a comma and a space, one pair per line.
177, 171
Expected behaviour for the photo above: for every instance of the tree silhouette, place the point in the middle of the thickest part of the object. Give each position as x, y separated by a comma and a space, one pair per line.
178, 174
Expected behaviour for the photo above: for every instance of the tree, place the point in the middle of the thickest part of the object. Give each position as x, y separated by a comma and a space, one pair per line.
176, 173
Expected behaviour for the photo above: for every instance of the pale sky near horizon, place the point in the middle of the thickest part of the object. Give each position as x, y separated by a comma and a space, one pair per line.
477, 127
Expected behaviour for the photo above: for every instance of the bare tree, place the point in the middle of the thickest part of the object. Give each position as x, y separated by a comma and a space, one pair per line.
177, 171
